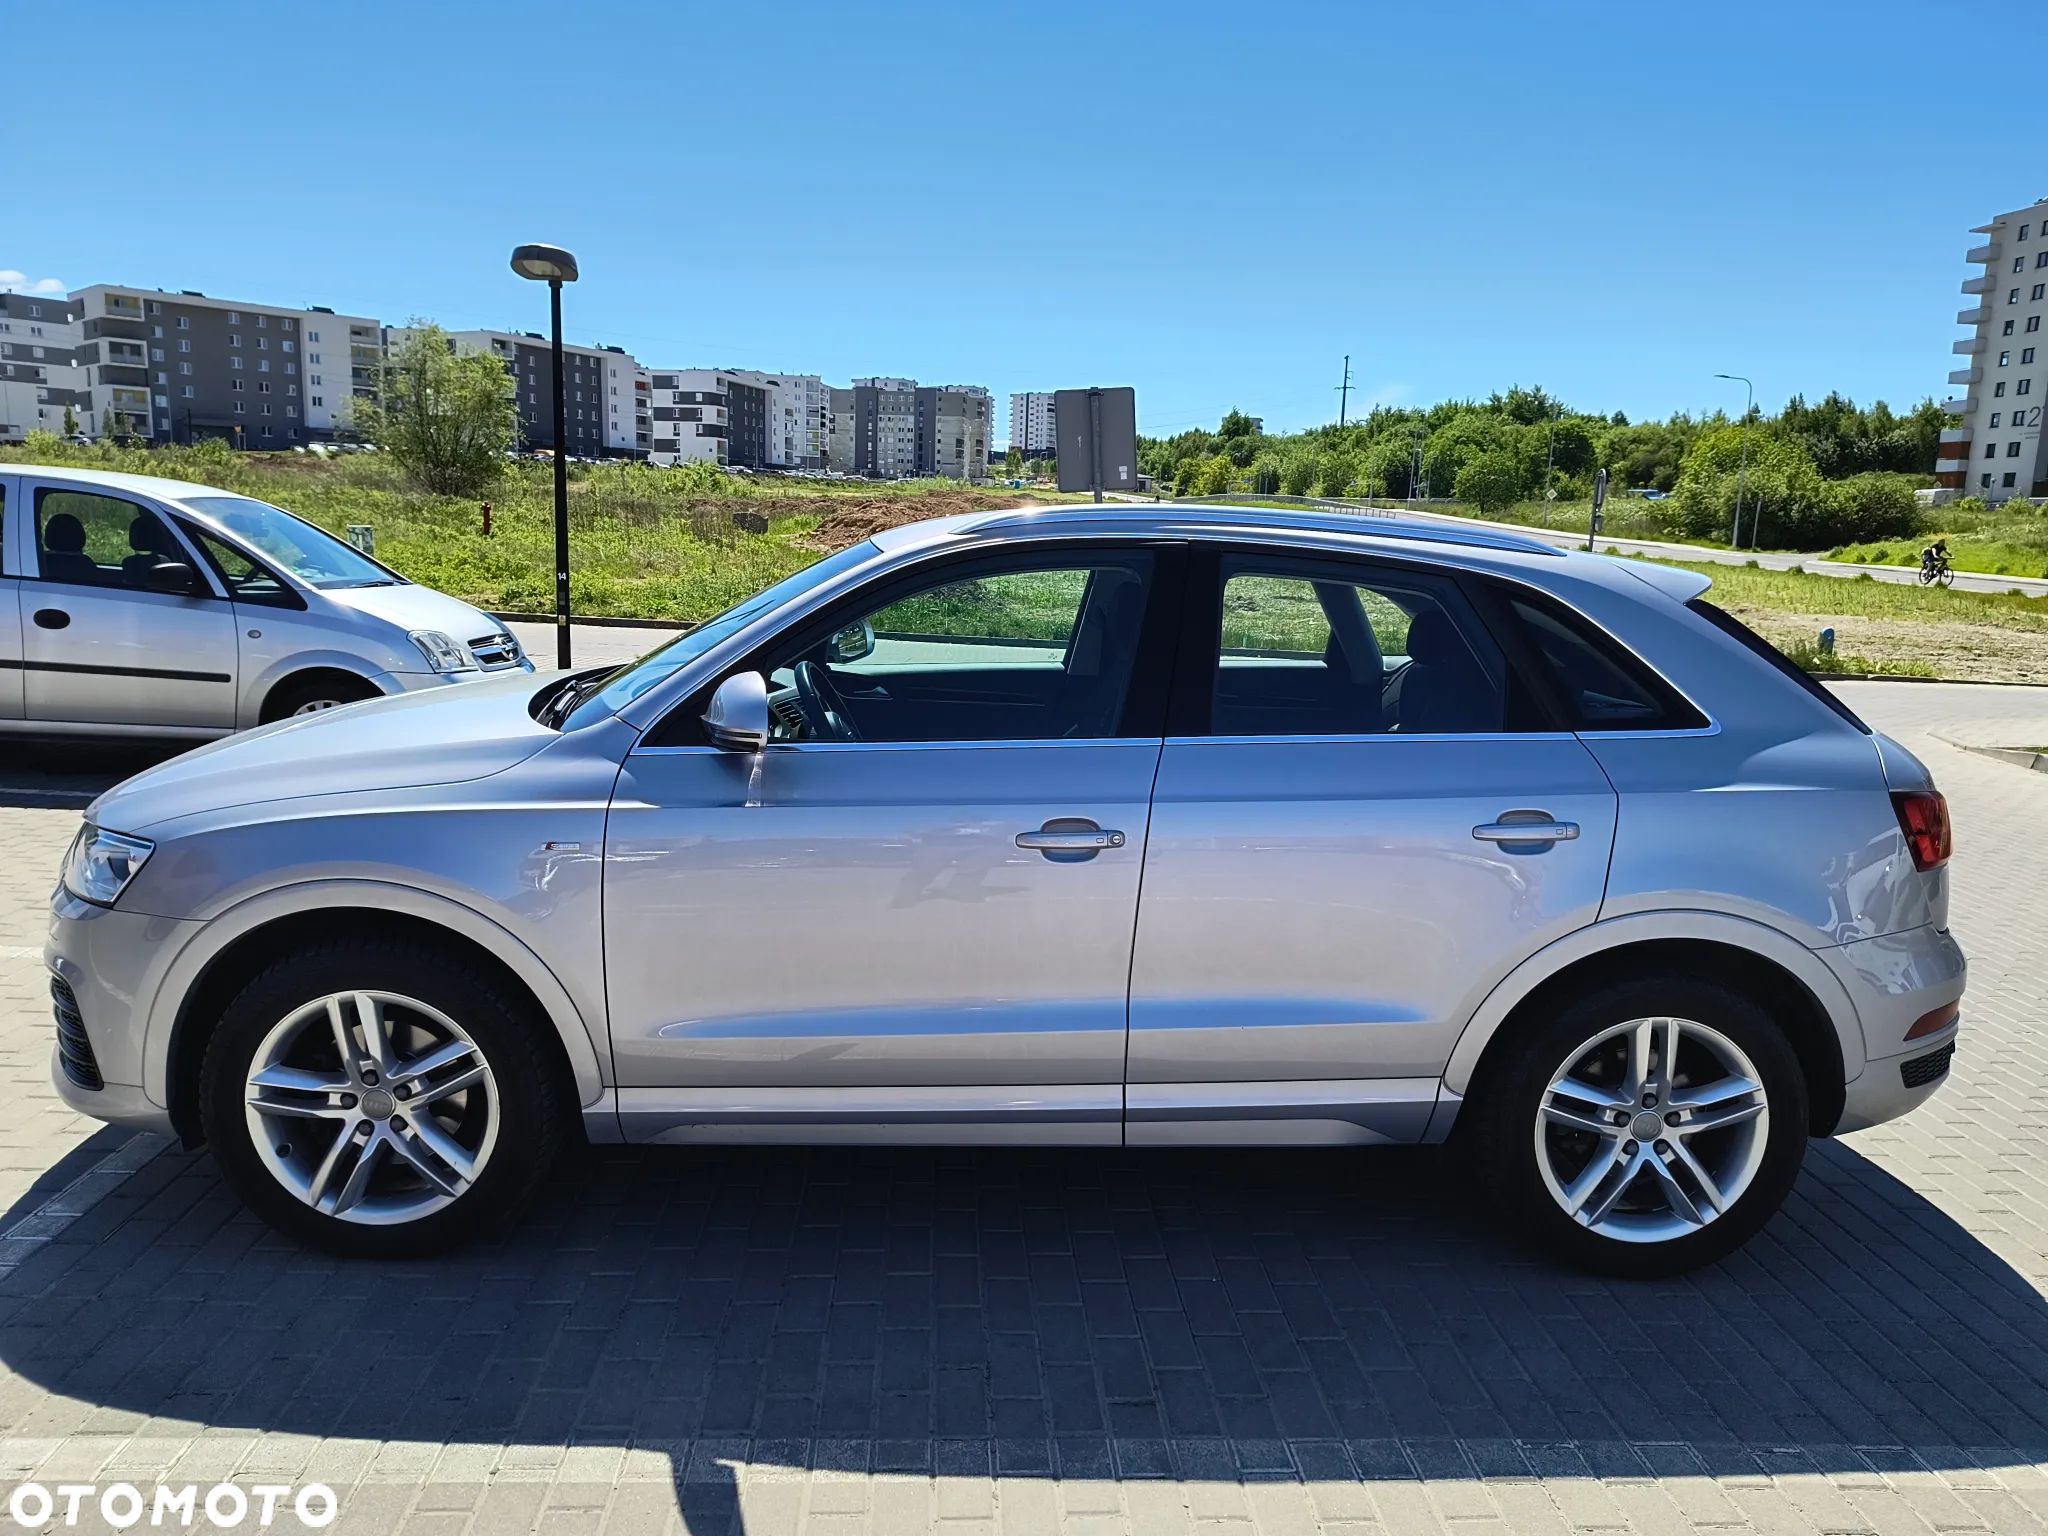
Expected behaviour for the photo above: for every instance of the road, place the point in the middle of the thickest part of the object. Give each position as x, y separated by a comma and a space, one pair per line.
964, 1342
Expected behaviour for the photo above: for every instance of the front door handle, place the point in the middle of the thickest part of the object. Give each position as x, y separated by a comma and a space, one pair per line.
52, 618
1066, 838
1529, 831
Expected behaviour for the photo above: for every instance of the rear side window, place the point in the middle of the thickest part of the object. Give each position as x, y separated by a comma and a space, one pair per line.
1728, 624
1601, 684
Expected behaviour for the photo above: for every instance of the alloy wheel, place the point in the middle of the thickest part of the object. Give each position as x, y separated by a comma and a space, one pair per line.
1652, 1129
372, 1107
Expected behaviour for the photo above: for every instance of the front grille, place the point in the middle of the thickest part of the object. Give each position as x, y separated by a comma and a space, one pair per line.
1922, 1070
74, 1047
495, 651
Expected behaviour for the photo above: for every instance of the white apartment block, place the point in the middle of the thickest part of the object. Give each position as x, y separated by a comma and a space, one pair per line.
1994, 450
628, 396
1033, 432
40, 376
799, 416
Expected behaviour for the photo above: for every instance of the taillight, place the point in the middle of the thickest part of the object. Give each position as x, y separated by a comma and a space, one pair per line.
1923, 817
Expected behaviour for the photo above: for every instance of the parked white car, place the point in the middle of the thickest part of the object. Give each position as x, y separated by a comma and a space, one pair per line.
134, 605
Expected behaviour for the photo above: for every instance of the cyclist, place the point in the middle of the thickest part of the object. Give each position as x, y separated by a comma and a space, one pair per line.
1934, 556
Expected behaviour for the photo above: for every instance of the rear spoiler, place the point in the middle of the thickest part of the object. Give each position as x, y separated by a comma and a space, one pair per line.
1681, 586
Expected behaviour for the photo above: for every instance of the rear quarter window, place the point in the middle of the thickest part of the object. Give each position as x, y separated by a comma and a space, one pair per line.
1598, 683
1733, 627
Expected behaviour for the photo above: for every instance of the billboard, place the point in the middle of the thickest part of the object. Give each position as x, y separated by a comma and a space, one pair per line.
1098, 438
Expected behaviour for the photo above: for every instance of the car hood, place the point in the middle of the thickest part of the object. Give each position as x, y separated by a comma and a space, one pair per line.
444, 736
413, 607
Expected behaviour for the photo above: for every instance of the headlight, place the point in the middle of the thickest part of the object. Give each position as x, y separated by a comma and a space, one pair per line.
101, 864
442, 654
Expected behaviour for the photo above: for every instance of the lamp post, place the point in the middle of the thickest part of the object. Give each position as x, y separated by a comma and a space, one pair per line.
554, 266
1742, 470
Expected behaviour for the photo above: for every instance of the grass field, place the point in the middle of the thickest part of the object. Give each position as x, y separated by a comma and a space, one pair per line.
2010, 539
681, 545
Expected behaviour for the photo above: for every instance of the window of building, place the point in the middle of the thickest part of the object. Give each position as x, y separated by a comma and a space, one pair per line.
156, 354
234, 362
288, 344
2026, 354
266, 407
263, 365
291, 410
241, 409
1994, 418
2039, 290
234, 317
1985, 480
1998, 390
184, 322
2004, 358
184, 368
164, 401
156, 307
262, 343
2019, 263
317, 401
2012, 450
2033, 323
2013, 297
262, 321
234, 341
2026, 387
2041, 260
2023, 231
184, 346
1991, 450
2009, 479
288, 322
162, 377
2008, 329
314, 337
156, 333
185, 390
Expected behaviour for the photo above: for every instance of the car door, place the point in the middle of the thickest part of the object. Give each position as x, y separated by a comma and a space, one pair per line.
910, 917
101, 644
10, 607
1358, 828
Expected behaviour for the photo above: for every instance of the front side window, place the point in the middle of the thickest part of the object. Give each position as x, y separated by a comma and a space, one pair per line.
247, 581
1346, 650
87, 539
1029, 652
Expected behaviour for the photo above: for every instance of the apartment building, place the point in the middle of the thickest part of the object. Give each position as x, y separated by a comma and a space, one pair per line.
40, 375
178, 367
885, 428
1994, 449
839, 432
628, 404
953, 424
589, 372
1033, 431
797, 416
708, 415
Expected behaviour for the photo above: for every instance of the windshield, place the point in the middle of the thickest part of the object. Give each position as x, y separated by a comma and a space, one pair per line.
312, 555
629, 682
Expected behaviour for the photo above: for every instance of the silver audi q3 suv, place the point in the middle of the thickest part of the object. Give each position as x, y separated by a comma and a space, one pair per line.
1085, 827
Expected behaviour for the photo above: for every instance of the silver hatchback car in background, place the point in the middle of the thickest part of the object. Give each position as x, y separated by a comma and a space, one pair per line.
1089, 827
131, 605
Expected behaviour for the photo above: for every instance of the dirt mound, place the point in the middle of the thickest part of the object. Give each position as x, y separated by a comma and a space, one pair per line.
851, 520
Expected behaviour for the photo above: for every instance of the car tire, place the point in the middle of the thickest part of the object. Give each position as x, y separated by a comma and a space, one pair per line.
466, 1160
1527, 1143
311, 695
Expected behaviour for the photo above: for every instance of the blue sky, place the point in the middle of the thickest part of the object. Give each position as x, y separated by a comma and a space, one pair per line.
1213, 202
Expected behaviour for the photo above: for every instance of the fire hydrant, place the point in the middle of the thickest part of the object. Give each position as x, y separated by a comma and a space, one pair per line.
487, 519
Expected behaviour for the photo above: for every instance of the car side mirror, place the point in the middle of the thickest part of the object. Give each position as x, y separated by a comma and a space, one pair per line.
737, 718
852, 643
175, 576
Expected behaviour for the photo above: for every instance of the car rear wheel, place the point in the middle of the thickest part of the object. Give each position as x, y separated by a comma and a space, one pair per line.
1647, 1129
380, 1097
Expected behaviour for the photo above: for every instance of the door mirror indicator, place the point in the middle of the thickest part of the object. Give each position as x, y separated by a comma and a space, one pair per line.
175, 576
737, 719
856, 642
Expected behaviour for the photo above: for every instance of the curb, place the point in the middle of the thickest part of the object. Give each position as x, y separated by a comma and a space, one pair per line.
2019, 757
1899, 677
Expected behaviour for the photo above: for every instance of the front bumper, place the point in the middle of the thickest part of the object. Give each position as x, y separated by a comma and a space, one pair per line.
113, 964
1895, 982
421, 682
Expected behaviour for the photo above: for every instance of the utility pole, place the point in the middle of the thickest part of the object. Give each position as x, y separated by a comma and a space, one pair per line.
1742, 470
1550, 458
1344, 390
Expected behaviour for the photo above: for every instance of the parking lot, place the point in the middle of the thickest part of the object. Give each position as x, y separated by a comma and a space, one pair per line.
766, 1340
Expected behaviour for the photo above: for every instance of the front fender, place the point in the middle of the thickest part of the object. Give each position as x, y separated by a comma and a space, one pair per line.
183, 972
1643, 927
256, 689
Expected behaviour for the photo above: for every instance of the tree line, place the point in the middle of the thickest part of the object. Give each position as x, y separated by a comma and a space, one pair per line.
1830, 472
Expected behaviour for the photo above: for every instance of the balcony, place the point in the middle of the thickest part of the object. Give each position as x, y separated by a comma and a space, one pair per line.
129, 399
122, 307
1979, 284
1955, 435
1959, 407
1969, 344
1976, 316
127, 354
1985, 253
1966, 376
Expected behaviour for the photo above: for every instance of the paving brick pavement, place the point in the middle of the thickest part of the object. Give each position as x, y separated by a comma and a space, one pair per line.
768, 1341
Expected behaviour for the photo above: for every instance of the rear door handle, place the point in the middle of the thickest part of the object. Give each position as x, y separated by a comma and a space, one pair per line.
1526, 831
1070, 837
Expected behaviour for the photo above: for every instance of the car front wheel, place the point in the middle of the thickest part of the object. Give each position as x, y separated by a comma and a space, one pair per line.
380, 1098
1647, 1129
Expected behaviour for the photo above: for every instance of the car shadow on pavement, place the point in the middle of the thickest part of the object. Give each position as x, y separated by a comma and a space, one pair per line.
1046, 1314
41, 772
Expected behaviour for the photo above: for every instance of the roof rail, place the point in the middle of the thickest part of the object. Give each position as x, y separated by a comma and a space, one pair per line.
1377, 522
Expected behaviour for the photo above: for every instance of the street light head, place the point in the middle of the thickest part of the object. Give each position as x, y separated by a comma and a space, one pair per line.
544, 263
